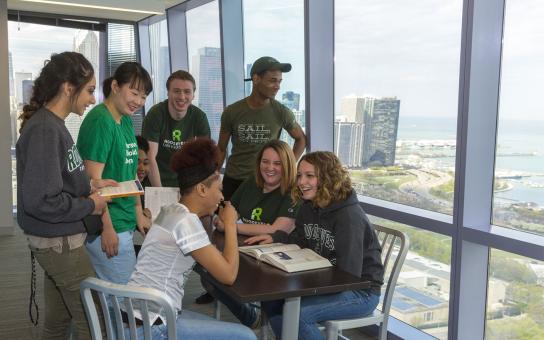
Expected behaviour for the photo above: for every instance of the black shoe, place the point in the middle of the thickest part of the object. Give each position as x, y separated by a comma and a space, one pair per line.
205, 298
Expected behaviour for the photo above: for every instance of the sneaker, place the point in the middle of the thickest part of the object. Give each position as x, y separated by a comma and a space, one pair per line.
205, 298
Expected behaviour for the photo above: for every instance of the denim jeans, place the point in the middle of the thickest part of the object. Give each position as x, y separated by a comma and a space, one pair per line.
315, 309
118, 268
62, 275
191, 325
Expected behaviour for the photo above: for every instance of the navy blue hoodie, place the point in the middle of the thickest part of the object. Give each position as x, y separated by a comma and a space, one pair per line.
341, 233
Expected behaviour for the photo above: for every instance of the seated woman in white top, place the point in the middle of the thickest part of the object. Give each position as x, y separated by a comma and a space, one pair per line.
177, 240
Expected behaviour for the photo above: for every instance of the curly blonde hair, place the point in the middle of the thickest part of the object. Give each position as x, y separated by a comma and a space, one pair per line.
334, 183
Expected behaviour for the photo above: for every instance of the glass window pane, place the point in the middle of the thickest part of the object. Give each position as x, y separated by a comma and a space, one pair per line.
515, 297
518, 200
422, 293
276, 28
160, 59
396, 92
203, 40
30, 45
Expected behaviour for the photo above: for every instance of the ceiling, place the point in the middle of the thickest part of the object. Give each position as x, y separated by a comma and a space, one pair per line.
146, 8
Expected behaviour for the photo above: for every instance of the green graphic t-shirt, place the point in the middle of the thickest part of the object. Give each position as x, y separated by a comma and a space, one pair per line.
250, 129
169, 134
102, 140
256, 207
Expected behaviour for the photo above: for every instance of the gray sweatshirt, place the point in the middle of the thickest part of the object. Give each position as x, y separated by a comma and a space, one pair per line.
52, 186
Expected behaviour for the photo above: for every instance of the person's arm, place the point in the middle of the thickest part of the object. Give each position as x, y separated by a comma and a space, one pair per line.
284, 224
143, 222
223, 142
154, 174
222, 266
110, 240
349, 242
300, 140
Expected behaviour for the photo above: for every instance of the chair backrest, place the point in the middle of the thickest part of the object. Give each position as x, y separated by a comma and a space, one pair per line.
110, 294
391, 240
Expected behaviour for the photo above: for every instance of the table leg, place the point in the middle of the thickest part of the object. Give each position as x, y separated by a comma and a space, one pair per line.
291, 315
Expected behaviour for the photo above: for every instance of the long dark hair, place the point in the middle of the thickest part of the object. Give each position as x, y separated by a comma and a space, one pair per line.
131, 73
71, 67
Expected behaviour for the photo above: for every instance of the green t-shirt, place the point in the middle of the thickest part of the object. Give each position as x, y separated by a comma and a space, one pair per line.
249, 130
256, 207
169, 134
102, 140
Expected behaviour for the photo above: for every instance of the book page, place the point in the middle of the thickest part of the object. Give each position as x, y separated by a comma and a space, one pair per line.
156, 197
259, 249
127, 188
296, 260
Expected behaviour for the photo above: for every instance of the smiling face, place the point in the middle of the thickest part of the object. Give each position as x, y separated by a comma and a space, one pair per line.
84, 98
143, 165
268, 84
214, 194
180, 97
271, 169
307, 181
128, 99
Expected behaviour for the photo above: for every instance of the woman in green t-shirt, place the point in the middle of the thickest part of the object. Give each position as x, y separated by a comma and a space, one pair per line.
263, 200
108, 146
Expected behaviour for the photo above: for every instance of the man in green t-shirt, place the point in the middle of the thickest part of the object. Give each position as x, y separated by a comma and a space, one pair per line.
253, 121
169, 124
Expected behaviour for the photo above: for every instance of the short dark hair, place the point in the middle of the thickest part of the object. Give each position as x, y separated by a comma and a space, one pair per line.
182, 75
142, 144
131, 73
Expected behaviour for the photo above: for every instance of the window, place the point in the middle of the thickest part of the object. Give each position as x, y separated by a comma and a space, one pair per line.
204, 49
422, 293
30, 45
515, 297
518, 200
160, 59
276, 28
396, 92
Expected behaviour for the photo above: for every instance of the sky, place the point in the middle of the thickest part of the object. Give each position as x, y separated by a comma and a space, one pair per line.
410, 50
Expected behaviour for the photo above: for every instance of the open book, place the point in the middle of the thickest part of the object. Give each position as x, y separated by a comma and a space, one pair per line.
156, 197
128, 188
287, 257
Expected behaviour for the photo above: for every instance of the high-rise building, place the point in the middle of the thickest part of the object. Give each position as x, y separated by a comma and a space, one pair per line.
291, 100
380, 117
10, 71
19, 77
348, 143
248, 83
209, 95
27, 90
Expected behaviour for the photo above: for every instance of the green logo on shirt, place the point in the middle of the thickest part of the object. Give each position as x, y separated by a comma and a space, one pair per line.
176, 135
256, 214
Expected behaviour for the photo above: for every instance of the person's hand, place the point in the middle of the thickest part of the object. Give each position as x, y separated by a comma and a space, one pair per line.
228, 214
260, 239
147, 213
218, 223
100, 203
143, 222
100, 183
110, 242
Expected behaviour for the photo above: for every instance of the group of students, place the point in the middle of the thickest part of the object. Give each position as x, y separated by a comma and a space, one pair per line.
312, 204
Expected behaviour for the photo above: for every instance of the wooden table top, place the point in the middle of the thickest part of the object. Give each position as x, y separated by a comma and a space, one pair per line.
259, 281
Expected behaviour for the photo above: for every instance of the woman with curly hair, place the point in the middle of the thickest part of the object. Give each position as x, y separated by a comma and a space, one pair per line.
178, 240
332, 223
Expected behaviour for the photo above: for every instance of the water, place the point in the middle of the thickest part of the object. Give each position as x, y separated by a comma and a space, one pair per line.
520, 151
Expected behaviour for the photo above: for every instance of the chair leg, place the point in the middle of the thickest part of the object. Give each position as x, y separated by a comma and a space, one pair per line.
331, 331
217, 309
264, 326
383, 330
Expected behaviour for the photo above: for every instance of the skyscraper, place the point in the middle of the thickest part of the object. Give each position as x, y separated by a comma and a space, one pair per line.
248, 84
348, 143
27, 90
10, 71
291, 100
380, 117
209, 95
19, 77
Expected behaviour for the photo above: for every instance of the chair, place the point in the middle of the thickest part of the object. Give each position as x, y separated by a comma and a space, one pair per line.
388, 239
109, 293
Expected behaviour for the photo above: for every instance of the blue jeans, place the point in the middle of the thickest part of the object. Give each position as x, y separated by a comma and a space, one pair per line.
315, 309
191, 325
118, 268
